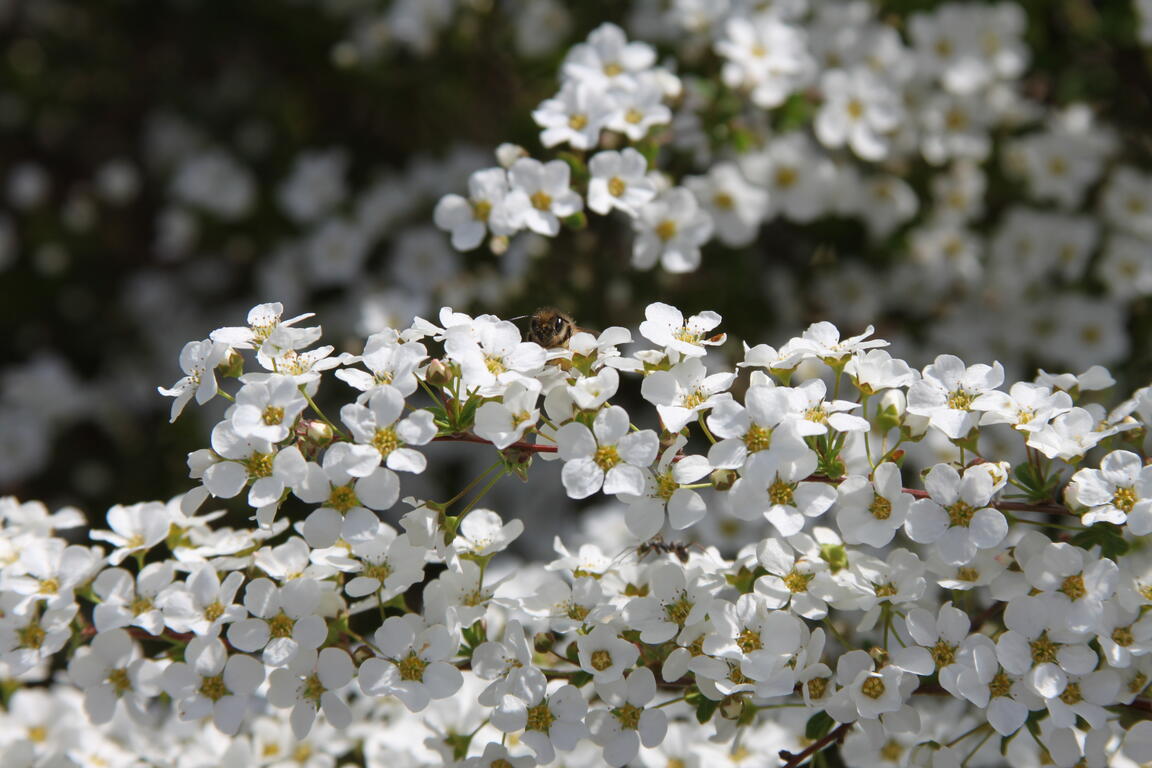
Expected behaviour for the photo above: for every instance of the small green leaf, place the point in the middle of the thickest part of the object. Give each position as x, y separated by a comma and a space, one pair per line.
819, 725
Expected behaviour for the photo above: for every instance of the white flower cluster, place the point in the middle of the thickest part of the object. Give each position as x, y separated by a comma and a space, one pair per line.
827, 110
1001, 608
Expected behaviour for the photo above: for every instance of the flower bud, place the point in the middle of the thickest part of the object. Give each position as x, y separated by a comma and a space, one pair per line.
507, 154
724, 479
439, 374
232, 366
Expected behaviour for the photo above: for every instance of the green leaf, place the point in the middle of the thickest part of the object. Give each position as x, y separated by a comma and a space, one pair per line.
819, 726
580, 679
1104, 535
705, 708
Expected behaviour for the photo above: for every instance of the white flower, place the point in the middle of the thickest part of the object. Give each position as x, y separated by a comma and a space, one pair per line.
621, 729
509, 666
684, 391
665, 326
665, 490
334, 485
391, 361
239, 460
1069, 436
540, 195
869, 512
414, 665
947, 390
670, 229
607, 455
482, 534
604, 654
1027, 407
736, 206
822, 340
492, 355
202, 603
390, 564
765, 56
575, 115
382, 436
125, 600
678, 597
619, 181
198, 360
263, 321
468, 220
639, 107
505, 422
859, 110
136, 528
49, 570
111, 669
210, 682
1119, 492
607, 57
956, 516
284, 620
267, 410
311, 682
549, 722
773, 483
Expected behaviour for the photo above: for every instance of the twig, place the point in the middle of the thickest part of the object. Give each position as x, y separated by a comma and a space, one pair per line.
793, 760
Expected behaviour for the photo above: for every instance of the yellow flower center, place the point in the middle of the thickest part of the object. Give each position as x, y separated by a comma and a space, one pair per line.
213, 688
578, 121
1043, 649
385, 440
757, 438
601, 660
1001, 685
606, 457
1071, 694
960, 399
259, 464
1123, 637
749, 640
1124, 500
411, 667
281, 625
873, 688
817, 687
273, 414
786, 177
481, 210
342, 498
723, 201
943, 653
960, 514
679, 610
616, 186
629, 716
797, 582
880, 508
541, 200
781, 492
1073, 586
666, 230
540, 718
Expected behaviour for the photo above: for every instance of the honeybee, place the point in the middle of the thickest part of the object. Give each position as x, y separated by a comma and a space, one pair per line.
549, 327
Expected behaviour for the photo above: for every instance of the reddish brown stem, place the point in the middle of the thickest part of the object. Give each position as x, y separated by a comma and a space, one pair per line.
793, 760
520, 446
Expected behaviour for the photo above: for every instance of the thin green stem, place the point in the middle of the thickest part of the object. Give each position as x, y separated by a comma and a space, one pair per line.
707, 432
464, 512
475, 481
312, 403
225, 395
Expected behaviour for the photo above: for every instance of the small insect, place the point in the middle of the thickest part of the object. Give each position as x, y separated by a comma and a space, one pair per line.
657, 545
549, 327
